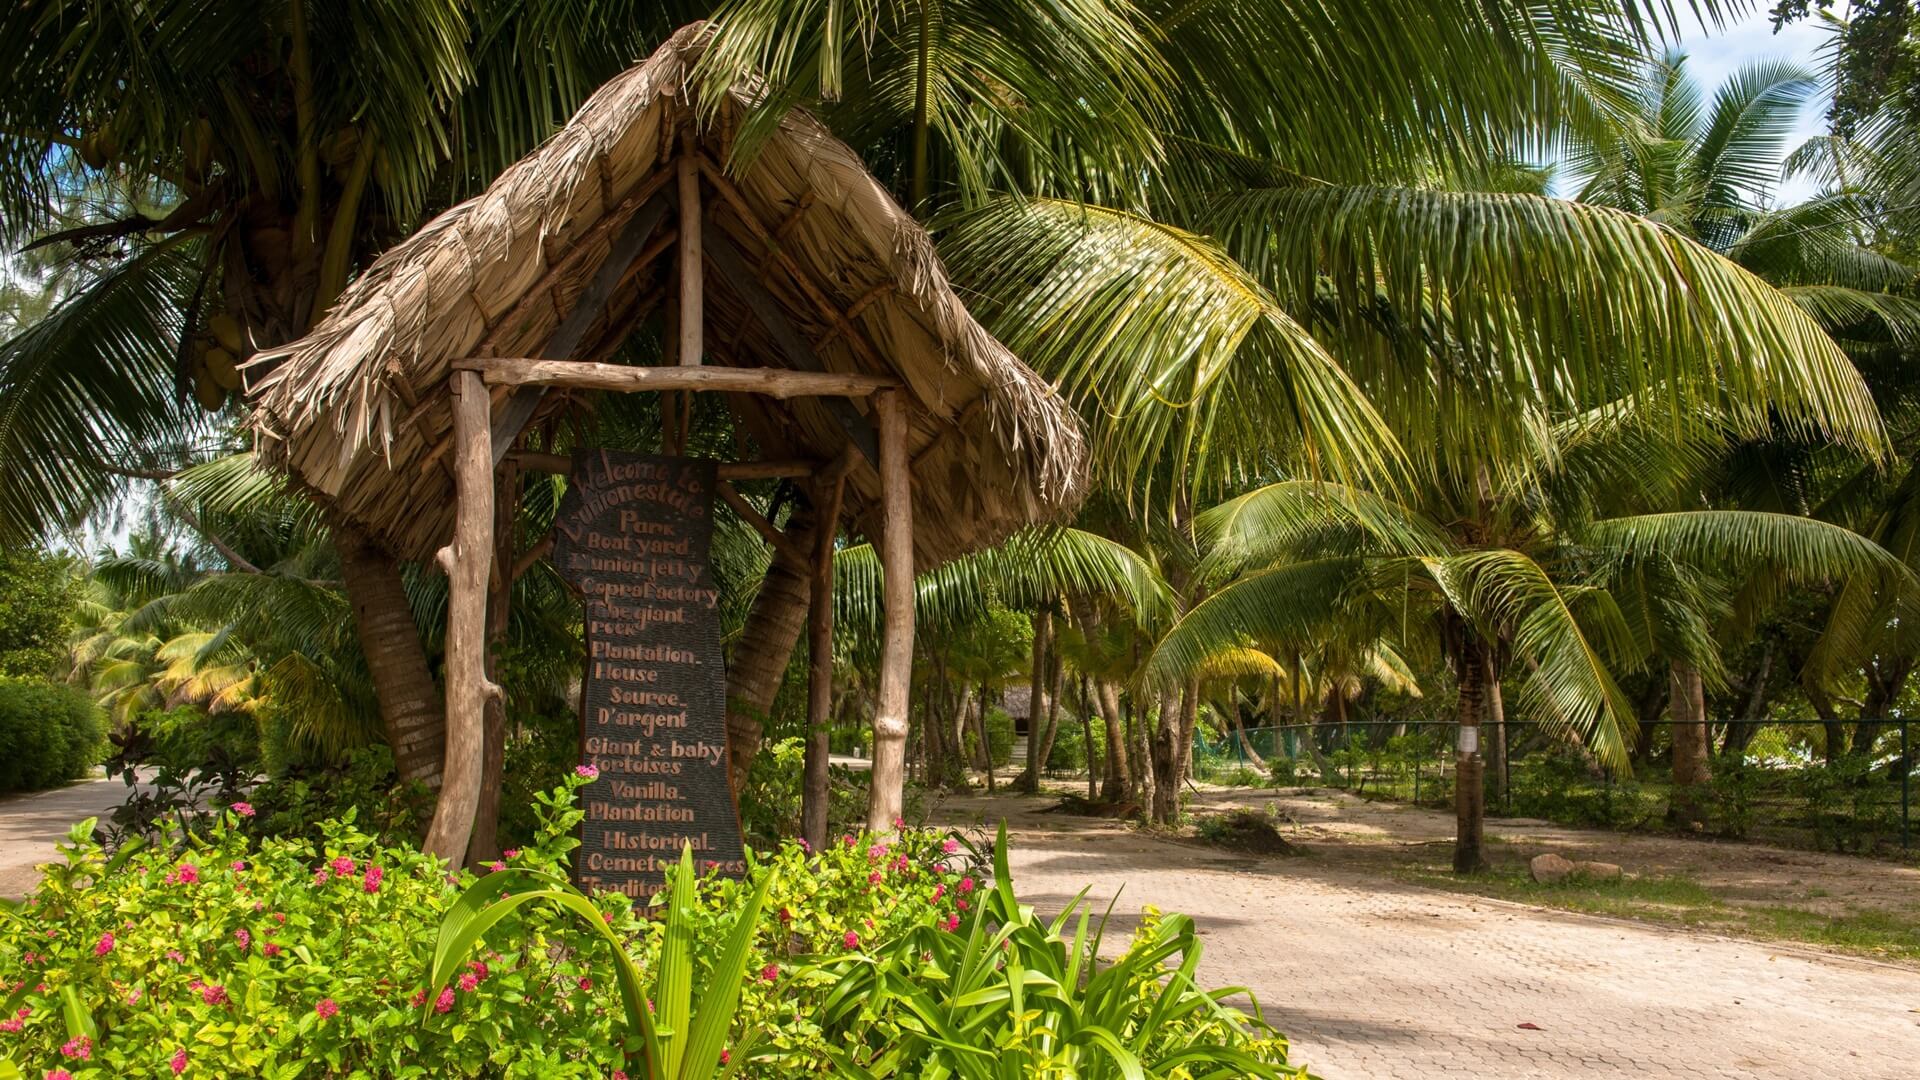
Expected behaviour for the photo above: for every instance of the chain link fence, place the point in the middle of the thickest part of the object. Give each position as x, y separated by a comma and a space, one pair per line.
1770, 780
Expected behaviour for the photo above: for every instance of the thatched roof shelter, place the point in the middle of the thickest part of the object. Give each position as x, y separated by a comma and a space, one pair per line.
358, 411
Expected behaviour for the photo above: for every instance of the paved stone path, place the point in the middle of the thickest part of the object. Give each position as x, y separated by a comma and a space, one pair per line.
31, 824
1375, 979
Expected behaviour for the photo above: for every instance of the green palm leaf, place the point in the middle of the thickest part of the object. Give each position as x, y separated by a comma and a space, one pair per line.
1570, 687
91, 383
1188, 359
1528, 301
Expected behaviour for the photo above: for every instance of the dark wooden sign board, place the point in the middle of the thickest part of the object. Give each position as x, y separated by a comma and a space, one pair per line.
632, 537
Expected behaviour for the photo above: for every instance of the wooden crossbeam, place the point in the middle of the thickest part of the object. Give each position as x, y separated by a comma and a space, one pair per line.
578, 375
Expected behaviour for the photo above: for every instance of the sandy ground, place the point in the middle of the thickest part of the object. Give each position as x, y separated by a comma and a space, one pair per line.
1374, 978
1346, 830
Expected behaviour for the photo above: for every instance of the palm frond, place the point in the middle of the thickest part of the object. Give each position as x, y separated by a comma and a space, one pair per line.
1188, 358
1570, 687
1033, 567
1291, 603
88, 386
1517, 300
1800, 548
1736, 159
1297, 516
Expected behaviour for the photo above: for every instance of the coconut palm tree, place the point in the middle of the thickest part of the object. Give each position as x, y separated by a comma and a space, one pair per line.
1708, 168
1527, 568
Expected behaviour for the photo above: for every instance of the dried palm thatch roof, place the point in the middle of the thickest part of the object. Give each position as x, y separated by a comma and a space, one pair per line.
358, 411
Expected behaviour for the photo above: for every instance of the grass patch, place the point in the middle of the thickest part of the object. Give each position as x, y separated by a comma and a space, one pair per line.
1677, 900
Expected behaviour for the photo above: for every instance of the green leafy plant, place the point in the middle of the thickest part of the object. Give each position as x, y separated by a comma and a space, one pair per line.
687, 1039
314, 948
1012, 995
52, 734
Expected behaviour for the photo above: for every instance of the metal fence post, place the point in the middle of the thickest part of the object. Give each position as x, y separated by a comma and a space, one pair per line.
1906, 785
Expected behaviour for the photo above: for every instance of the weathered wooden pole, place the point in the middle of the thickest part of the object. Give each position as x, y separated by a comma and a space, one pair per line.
690, 325
884, 800
692, 267
828, 490
485, 843
468, 561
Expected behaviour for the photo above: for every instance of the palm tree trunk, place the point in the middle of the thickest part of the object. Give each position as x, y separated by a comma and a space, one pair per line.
412, 712
1166, 754
1687, 709
1253, 757
1886, 678
1469, 769
1118, 781
1037, 741
1183, 747
1836, 731
766, 644
983, 750
1055, 672
1086, 737
1741, 732
1497, 717
922, 75
1140, 730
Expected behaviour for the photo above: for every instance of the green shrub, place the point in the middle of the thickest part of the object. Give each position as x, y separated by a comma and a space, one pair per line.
42, 594
1000, 736
1847, 806
770, 804
1011, 994
1736, 786
1069, 754
50, 734
365, 787
300, 957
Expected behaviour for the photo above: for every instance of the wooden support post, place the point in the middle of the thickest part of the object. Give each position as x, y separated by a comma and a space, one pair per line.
829, 489
885, 798
768, 530
692, 329
468, 562
692, 268
485, 844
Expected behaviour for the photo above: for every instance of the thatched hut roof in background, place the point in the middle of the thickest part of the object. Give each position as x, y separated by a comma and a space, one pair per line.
358, 411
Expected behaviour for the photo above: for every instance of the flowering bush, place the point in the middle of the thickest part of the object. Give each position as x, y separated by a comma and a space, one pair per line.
214, 954
220, 955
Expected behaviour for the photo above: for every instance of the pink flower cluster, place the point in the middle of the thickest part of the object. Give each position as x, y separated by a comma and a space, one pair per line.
586, 772
106, 944
184, 874
178, 1063
244, 809
326, 1009
79, 1048
371, 880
